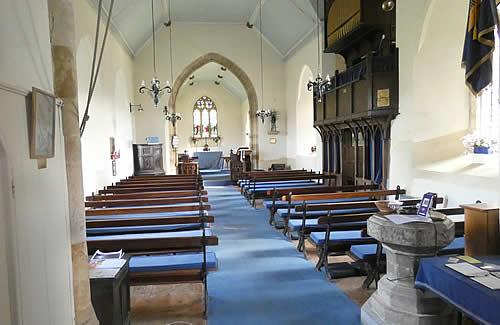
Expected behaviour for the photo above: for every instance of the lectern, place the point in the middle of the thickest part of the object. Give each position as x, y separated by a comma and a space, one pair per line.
482, 235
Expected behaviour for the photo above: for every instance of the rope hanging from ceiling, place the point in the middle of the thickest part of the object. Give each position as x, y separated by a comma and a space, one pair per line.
95, 68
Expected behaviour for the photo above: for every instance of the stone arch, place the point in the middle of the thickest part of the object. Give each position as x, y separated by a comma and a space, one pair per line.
241, 75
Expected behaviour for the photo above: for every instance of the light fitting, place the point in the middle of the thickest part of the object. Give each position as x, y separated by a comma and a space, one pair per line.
172, 117
136, 106
263, 112
155, 90
318, 85
388, 5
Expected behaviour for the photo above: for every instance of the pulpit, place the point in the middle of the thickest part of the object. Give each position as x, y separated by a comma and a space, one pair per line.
240, 162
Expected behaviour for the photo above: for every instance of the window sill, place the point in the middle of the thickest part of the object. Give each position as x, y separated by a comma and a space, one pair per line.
475, 165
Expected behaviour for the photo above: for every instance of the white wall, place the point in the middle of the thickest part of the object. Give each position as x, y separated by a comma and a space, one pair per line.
299, 67
237, 43
229, 114
36, 214
434, 102
109, 109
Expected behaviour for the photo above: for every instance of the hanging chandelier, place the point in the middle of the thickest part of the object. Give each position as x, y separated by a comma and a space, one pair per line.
319, 85
155, 90
172, 117
262, 113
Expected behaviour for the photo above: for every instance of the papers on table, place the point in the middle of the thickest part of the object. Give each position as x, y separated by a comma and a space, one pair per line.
112, 263
477, 274
107, 260
400, 219
489, 281
467, 269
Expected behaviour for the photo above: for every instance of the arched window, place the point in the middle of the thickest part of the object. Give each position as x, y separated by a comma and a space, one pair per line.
205, 118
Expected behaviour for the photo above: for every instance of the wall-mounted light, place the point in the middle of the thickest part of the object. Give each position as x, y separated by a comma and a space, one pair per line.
138, 107
388, 5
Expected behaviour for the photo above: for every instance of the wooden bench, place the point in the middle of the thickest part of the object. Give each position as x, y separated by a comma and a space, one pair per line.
277, 194
172, 256
293, 213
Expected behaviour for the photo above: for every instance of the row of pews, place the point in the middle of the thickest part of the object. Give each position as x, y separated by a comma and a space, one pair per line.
162, 222
333, 220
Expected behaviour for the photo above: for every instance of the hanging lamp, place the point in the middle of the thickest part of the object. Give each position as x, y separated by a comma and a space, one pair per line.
318, 85
263, 113
155, 90
172, 117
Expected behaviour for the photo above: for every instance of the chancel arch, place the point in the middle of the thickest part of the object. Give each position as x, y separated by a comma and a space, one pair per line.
243, 78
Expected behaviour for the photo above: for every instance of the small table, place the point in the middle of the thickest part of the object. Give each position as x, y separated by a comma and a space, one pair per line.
473, 299
110, 294
208, 159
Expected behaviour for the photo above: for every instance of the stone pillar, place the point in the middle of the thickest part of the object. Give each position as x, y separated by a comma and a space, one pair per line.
62, 19
396, 300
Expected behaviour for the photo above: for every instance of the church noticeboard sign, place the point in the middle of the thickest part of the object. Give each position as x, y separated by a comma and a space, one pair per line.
383, 97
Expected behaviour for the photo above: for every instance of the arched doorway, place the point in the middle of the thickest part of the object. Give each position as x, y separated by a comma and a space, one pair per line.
241, 75
307, 138
7, 298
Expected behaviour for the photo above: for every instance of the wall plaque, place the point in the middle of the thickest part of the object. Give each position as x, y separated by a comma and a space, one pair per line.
383, 97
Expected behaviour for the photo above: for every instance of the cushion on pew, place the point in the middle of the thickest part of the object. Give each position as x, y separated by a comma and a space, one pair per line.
457, 246
175, 234
340, 237
171, 262
368, 251
140, 229
296, 224
283, 213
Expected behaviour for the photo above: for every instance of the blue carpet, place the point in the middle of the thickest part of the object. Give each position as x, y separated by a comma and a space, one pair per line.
262, 278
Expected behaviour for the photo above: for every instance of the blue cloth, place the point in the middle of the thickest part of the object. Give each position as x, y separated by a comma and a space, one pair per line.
312, 224
477, 301
284, 204
283, 213
140, 229
209, 159
368, 251
177, 234
340, 237
171, 262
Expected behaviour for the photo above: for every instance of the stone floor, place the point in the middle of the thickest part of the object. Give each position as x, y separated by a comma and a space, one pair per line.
182, 303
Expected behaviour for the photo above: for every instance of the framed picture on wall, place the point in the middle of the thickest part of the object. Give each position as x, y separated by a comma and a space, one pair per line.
42, 127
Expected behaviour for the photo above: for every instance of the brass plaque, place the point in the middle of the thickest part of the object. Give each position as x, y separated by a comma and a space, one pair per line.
383, 97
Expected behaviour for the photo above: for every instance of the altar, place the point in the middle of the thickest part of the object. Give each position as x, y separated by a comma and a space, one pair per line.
209, 159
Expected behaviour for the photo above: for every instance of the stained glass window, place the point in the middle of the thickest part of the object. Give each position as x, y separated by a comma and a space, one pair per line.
205, 124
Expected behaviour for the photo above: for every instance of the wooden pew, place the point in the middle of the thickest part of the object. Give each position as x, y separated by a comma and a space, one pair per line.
304, 198
145, 195
124, 190
142, 202
141, 210
286, 193
329, 221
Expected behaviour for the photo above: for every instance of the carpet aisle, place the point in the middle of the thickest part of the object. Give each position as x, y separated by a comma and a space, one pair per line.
262, 278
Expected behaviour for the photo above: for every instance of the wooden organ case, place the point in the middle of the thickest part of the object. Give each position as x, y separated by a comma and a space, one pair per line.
354, 114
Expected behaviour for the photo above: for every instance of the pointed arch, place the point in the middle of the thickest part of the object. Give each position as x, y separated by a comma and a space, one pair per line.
240, 74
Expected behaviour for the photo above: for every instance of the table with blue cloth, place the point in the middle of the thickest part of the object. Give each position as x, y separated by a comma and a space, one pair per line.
209, 159
476, 301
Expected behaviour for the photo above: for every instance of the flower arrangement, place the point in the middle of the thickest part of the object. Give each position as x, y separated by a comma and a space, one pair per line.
475, 143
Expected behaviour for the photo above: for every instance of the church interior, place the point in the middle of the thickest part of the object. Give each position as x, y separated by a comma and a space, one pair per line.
249, 162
